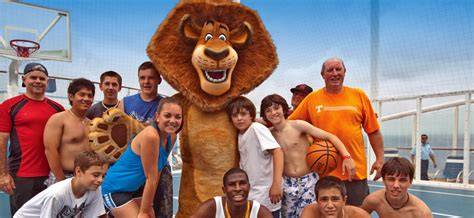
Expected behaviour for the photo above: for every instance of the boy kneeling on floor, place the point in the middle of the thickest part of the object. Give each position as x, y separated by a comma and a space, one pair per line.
77, 196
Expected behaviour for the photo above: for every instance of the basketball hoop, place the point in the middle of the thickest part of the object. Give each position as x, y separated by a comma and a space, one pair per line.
24, 48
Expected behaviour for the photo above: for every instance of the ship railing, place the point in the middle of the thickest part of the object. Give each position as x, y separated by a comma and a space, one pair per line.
464, 101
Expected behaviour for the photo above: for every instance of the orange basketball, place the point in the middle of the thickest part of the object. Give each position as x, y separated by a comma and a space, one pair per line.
322, 157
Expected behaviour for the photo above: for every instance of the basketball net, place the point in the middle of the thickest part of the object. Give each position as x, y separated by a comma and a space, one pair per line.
24, 48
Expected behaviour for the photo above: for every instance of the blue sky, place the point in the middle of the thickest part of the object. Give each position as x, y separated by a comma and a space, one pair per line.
425, 45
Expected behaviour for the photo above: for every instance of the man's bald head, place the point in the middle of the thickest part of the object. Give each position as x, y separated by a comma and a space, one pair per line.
323, 68
333, 73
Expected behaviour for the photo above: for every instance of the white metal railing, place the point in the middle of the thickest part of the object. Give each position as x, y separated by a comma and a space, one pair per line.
126, 90
416, 133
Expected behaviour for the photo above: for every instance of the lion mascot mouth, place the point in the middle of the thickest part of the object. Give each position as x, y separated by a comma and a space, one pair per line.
214, 57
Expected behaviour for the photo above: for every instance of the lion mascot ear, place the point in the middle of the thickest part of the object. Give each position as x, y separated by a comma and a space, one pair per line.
241, 36
189, 29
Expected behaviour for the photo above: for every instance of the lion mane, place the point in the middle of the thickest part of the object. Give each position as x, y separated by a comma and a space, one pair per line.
171, 53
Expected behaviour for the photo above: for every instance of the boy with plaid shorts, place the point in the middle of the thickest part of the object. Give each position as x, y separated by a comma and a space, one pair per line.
298, 179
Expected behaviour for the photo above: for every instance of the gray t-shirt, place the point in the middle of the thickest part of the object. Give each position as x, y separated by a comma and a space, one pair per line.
59, 201
97, 110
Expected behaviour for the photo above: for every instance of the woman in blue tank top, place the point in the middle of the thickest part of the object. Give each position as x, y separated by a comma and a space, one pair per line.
130, 184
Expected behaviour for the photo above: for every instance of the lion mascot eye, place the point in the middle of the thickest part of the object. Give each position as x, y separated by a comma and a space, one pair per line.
222, 37
208, 37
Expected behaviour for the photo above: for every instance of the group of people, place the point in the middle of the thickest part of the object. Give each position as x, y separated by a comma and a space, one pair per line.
49, 147
273, 172
330, 197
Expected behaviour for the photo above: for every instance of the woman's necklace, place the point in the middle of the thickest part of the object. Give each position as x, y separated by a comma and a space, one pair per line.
114, 106
247, 211
398, 208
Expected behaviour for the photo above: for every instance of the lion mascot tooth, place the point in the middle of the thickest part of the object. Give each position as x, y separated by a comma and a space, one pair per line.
210, 52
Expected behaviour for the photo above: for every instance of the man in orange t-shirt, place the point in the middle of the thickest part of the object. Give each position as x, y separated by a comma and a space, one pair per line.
344, 111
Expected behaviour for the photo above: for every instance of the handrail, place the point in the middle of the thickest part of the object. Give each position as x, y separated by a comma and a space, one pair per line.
412, 97
70, 79
433, 148
458, 178
438, 171
425, 110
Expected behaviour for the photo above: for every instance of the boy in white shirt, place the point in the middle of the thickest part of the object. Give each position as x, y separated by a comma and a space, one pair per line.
260, 155
74, 197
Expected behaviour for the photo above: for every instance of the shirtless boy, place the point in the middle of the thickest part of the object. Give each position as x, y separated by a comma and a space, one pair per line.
331, 197
394, 200
65, 134
299, 180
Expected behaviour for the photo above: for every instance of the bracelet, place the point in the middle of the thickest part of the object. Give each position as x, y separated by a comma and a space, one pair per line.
346, 157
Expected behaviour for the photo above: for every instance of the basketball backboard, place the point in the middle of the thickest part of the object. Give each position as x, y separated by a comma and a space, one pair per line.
46, 26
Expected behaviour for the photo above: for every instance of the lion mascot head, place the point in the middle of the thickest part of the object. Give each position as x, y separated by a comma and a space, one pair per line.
212, 52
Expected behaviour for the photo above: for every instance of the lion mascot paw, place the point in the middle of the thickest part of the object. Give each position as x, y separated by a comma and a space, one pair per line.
111, 133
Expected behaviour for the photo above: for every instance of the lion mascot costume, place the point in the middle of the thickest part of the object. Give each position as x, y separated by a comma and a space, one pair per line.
211, 52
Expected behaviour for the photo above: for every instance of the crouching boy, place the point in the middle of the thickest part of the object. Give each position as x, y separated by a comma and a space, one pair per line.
78, 196
394, 200
331, 197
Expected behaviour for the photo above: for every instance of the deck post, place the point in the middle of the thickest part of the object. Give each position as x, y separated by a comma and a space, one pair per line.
413, 132
418, 139
13, 71
455, 131
467, 137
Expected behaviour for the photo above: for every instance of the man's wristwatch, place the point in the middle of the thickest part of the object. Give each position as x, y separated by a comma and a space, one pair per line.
346, 157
